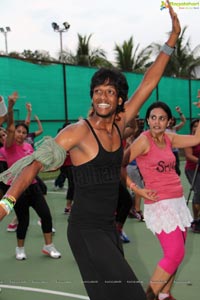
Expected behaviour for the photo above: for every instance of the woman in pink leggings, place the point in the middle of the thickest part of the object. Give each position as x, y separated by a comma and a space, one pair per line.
168, 215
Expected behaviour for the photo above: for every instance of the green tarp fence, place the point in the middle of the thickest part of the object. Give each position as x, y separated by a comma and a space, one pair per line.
58, 92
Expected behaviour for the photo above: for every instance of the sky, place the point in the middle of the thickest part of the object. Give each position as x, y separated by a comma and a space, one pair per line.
109, 21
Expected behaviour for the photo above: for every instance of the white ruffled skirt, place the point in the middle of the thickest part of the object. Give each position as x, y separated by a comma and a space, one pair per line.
167, 215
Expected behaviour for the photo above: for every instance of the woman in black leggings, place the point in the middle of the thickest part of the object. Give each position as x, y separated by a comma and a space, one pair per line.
15, 149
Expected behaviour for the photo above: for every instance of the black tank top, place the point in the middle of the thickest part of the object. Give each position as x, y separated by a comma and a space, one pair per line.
96, 187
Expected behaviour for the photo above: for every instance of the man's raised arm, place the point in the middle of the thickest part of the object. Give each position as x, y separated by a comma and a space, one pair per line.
155, 71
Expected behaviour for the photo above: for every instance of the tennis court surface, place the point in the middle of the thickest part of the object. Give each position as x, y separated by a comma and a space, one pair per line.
43, 278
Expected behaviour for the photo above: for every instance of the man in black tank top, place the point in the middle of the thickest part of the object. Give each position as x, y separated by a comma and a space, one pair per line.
96, 152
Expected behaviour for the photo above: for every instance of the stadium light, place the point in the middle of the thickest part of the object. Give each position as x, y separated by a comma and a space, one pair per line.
60, 30
5, 31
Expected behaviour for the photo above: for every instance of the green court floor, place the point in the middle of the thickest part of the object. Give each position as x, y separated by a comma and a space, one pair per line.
42, 278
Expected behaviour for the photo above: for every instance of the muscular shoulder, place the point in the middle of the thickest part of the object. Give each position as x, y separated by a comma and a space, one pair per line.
72, 135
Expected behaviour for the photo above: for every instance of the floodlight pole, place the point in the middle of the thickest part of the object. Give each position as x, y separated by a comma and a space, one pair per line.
5, 31
65, 28
61, 46
57, 28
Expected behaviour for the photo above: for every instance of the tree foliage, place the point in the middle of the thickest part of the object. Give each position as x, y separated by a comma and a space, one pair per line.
85, 55
184, 61
130, 59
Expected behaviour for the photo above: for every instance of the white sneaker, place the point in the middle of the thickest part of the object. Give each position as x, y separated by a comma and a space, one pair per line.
20, 253
51, 251
57, 188
40, 224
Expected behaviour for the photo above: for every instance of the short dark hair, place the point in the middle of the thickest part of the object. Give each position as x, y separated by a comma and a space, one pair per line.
159, 104
193, 122
23, 125
112, 77
174, 119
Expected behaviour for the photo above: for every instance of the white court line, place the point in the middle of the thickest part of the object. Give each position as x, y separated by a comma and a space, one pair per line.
59, 193
45, 291
23, 288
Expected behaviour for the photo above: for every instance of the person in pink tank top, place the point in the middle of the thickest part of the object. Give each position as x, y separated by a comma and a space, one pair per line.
15, 149
167, 216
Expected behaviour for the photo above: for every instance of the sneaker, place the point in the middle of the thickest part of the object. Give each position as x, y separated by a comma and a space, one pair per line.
136, 215
12, 227
195, 226
53, 230
51, 251
124, 237
140, 216
132, 214
58, 188
20, 253
67, 210
39, 223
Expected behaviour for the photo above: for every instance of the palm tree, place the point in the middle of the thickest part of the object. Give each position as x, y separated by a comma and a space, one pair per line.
83, 50
128, 59
184, 61
85, 55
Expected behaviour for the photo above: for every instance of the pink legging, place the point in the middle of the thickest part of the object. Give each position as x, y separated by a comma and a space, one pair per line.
173, 246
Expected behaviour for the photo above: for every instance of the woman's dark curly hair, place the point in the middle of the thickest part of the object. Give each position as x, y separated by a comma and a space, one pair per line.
111, 77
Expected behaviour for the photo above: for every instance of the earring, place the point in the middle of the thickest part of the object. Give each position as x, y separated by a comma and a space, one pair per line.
120, 102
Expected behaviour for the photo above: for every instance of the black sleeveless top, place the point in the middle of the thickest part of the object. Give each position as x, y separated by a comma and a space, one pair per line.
97, 187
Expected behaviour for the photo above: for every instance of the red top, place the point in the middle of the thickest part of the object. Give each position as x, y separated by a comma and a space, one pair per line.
190, 165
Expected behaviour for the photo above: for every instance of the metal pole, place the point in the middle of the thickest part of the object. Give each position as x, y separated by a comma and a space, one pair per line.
60, 31
65, 91
61, 46
6, 42
57, 28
